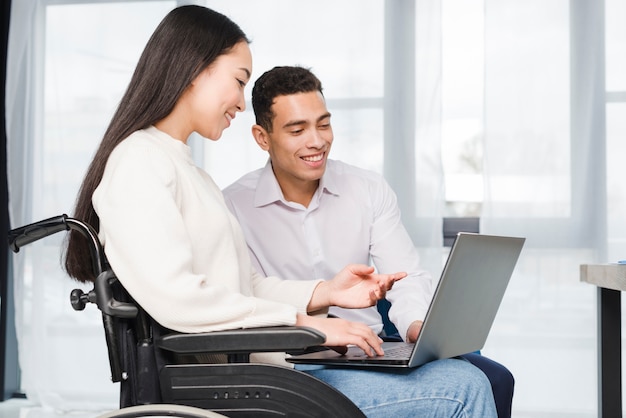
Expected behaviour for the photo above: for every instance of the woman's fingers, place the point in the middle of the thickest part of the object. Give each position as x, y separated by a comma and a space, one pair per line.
367, 341
340, 332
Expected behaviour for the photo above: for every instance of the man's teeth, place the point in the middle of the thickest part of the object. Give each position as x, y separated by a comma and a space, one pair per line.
229, 117
313, 158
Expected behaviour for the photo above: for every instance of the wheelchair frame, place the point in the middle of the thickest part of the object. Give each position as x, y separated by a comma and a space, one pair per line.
145, 357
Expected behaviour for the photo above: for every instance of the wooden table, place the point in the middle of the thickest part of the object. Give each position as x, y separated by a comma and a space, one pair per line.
611, 281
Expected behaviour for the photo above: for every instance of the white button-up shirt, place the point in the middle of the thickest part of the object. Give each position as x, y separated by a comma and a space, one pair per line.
352, 218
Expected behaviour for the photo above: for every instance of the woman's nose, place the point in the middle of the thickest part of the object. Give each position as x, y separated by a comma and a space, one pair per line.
241, 105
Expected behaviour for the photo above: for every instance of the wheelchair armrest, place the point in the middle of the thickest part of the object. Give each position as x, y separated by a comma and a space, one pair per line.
251, 340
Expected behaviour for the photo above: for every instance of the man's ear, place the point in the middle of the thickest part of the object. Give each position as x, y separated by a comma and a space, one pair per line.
261, 137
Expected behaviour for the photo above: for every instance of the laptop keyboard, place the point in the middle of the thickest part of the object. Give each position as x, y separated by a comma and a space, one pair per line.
399, 351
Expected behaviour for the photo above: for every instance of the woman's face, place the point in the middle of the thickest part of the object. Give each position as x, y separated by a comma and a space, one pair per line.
216, 95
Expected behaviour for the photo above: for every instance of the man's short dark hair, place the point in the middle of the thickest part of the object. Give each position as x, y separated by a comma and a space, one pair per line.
280, 81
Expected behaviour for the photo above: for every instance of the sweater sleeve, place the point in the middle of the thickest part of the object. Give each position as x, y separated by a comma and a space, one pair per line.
293, 292
181, 266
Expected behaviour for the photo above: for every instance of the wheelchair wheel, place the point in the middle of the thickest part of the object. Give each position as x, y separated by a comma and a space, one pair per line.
161, 410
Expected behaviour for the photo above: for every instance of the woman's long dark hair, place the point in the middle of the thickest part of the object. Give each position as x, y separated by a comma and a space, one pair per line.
188, 40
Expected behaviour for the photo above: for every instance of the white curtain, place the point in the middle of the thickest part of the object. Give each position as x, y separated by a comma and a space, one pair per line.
429, 194
545, 170
62, 353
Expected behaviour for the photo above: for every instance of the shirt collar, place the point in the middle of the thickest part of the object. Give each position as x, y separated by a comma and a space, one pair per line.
268, 190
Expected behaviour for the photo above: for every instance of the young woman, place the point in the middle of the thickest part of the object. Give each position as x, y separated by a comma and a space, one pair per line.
180, 253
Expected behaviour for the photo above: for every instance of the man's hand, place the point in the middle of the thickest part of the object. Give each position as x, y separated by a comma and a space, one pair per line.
414, 331
356, 286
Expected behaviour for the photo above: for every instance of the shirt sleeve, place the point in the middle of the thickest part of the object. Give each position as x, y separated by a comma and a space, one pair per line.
392, 250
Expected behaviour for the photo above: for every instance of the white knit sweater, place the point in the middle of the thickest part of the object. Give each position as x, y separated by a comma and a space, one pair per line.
176, 247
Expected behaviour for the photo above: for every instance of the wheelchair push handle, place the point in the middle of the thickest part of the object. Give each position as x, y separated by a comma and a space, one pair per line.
101, 294
27, 234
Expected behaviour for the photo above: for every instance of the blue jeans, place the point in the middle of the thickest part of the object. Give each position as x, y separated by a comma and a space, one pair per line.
442, 388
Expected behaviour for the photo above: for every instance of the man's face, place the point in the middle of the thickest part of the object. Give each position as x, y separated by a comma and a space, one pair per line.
301, 138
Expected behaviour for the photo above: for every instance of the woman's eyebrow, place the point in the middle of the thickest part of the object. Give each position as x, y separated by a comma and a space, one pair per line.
245, 70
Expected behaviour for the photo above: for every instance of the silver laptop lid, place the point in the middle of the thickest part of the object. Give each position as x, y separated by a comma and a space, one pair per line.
467, 297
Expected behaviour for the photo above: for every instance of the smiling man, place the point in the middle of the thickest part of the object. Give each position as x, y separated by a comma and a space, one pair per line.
299, 159
305, 215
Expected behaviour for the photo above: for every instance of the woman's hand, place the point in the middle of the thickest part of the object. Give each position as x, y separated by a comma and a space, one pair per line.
353, 287
341, 333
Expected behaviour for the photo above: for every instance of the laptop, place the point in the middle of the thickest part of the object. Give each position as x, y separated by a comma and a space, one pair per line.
461, 312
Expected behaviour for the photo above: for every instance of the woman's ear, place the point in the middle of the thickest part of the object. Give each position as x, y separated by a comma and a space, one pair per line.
261, 137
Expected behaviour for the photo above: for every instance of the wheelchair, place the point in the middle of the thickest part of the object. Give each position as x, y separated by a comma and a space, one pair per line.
162, 372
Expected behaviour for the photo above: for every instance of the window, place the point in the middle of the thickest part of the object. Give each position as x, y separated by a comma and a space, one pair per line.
348, 62
84, 78
462, 106
615, 127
